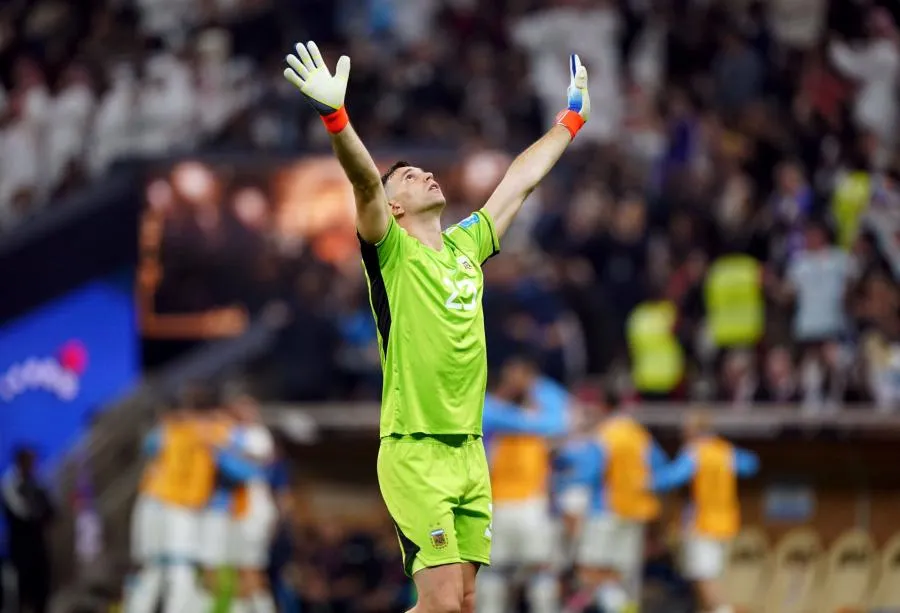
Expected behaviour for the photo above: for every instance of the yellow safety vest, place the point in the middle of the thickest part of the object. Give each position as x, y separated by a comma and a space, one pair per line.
850, 201
656, 356
735, 306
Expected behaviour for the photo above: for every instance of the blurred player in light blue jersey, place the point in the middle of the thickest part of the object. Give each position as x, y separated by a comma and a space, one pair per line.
621, 461
712, 466
237, 510
254, 512
523, 415
572, 479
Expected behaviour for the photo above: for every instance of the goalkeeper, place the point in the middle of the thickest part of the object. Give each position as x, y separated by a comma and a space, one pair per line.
425, 288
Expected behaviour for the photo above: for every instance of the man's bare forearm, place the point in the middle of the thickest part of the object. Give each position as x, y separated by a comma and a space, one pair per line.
355, 159
360, 168
533, 164
524, 174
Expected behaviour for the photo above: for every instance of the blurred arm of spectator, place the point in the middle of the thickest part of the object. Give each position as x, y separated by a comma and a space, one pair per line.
875, 67
864, 64
537, 29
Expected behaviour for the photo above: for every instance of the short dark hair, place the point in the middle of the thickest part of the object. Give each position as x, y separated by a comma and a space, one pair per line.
394, 168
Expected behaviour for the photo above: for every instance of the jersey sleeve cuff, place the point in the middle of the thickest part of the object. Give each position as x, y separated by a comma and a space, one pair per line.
495, 240
391, 223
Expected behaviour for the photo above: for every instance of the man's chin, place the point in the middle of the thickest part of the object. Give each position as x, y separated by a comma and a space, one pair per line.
437, 203
431, 207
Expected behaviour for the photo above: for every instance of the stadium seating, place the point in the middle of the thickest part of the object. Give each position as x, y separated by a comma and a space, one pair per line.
748, 570
849, 573
797, 576
886, 591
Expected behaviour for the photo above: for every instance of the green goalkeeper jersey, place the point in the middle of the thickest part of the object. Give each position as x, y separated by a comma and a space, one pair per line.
427, 308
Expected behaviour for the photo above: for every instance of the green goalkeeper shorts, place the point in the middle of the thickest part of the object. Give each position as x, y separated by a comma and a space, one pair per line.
438, 491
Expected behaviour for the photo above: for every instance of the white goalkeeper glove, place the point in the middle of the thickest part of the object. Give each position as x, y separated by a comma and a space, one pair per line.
578, 107
307, 72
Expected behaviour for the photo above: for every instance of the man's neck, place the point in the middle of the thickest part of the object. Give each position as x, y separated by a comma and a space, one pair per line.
425, 228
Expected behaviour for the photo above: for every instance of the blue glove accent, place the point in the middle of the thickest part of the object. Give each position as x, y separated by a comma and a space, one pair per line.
575, 99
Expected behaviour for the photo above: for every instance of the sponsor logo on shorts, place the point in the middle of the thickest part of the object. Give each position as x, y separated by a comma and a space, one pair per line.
438, 538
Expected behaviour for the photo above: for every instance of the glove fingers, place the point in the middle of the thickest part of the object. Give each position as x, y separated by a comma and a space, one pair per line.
581, 78
317, 58
298, 67
342, 70
304, 56
574, 65
294, 78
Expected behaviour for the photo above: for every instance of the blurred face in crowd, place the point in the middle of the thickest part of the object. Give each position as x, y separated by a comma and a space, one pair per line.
738, 365
516, 379
631, 219
589, 208
790, 179
412, 191
880, 23
816, 238
881, 299
779, 367
696, 266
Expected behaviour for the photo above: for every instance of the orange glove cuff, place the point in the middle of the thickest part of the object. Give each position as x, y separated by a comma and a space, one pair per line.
336, 121
570, 120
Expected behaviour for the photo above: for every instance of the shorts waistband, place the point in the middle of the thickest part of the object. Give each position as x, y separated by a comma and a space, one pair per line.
452, 440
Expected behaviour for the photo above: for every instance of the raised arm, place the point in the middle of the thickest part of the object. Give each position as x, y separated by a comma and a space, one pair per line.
534, 163
308, 73
502, 417
676, 474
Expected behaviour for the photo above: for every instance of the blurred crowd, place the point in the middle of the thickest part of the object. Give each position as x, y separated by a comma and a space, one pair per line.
83, 85
725, 228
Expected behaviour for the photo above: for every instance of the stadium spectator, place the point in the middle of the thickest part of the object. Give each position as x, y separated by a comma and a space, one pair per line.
818, 277
547, 35
779, 380
28, 512
874, 66
721, 129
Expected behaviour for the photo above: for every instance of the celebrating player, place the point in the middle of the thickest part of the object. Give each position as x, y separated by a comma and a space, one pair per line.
610, 555
712, 466
522, 415
255, 507
182, 481
425, 288
215, 533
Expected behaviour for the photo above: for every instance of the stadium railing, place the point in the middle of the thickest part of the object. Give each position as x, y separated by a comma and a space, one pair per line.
760, 421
